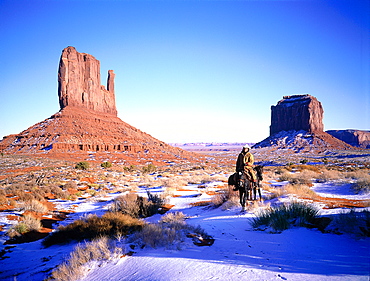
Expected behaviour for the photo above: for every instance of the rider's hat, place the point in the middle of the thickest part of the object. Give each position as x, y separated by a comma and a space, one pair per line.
247, 146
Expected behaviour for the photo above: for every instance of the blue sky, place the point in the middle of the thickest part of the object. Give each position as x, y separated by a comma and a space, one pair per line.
191, 71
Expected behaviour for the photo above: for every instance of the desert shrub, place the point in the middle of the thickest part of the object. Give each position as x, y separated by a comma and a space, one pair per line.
33, 205
83, 165
106, 164
33, 224
303, 177
27, 224
327, 175
110, 224
174, 182
284, 216
301, 190
58, 192
362, 184
25, 197
228, 196
136, 206
17, 230
355, 223
169, 232
150, 168
173, 219
96, 250
70, 185
130, 168
3, 200
156, 235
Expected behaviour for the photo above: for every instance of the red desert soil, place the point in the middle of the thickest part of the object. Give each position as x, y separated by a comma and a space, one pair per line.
332, 203
88, 179
18, 172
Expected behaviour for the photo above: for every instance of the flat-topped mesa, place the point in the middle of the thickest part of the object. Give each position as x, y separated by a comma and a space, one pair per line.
79, 83
297, 112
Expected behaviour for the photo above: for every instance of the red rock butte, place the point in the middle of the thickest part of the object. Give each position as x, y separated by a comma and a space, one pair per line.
297, 124
87, 122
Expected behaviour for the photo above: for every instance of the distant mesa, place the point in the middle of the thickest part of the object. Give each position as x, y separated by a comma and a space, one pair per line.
87, 121
297, 124
358, 138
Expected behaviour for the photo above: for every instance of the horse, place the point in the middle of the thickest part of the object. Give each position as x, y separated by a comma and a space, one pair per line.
257, 187
241, 182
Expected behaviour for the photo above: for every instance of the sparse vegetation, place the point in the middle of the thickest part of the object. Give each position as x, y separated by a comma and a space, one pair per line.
303, 177
362, 183
27, 224
169, 232
97, 250
110, 224
34, 205
150, 168
106, 164
356, 223
28, 190
83, 165
301, 190
226, 198
284, 216
136, 206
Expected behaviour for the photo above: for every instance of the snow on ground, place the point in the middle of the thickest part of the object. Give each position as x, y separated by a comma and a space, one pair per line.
239, 252
338, 190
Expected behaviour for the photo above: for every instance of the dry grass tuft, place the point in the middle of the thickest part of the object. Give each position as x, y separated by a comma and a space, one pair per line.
304, 177
301, 190
27, 224
34, 205
73, 268
136, 206
110, 224
169, 232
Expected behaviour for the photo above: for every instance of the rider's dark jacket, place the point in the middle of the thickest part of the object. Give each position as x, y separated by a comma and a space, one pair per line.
240, 162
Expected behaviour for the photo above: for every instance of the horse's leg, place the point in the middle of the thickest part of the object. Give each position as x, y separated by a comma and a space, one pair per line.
242, 198
250, 191
259, 192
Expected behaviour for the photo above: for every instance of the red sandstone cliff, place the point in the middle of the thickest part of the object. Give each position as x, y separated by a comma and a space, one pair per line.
87, 121
298, 112
79, 83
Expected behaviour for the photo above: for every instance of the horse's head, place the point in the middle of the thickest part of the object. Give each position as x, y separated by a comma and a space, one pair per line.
259, 170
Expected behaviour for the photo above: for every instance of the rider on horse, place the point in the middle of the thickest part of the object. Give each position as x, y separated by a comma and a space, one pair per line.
245, 164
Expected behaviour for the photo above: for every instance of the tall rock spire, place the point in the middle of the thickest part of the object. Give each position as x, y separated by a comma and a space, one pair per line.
79, 83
